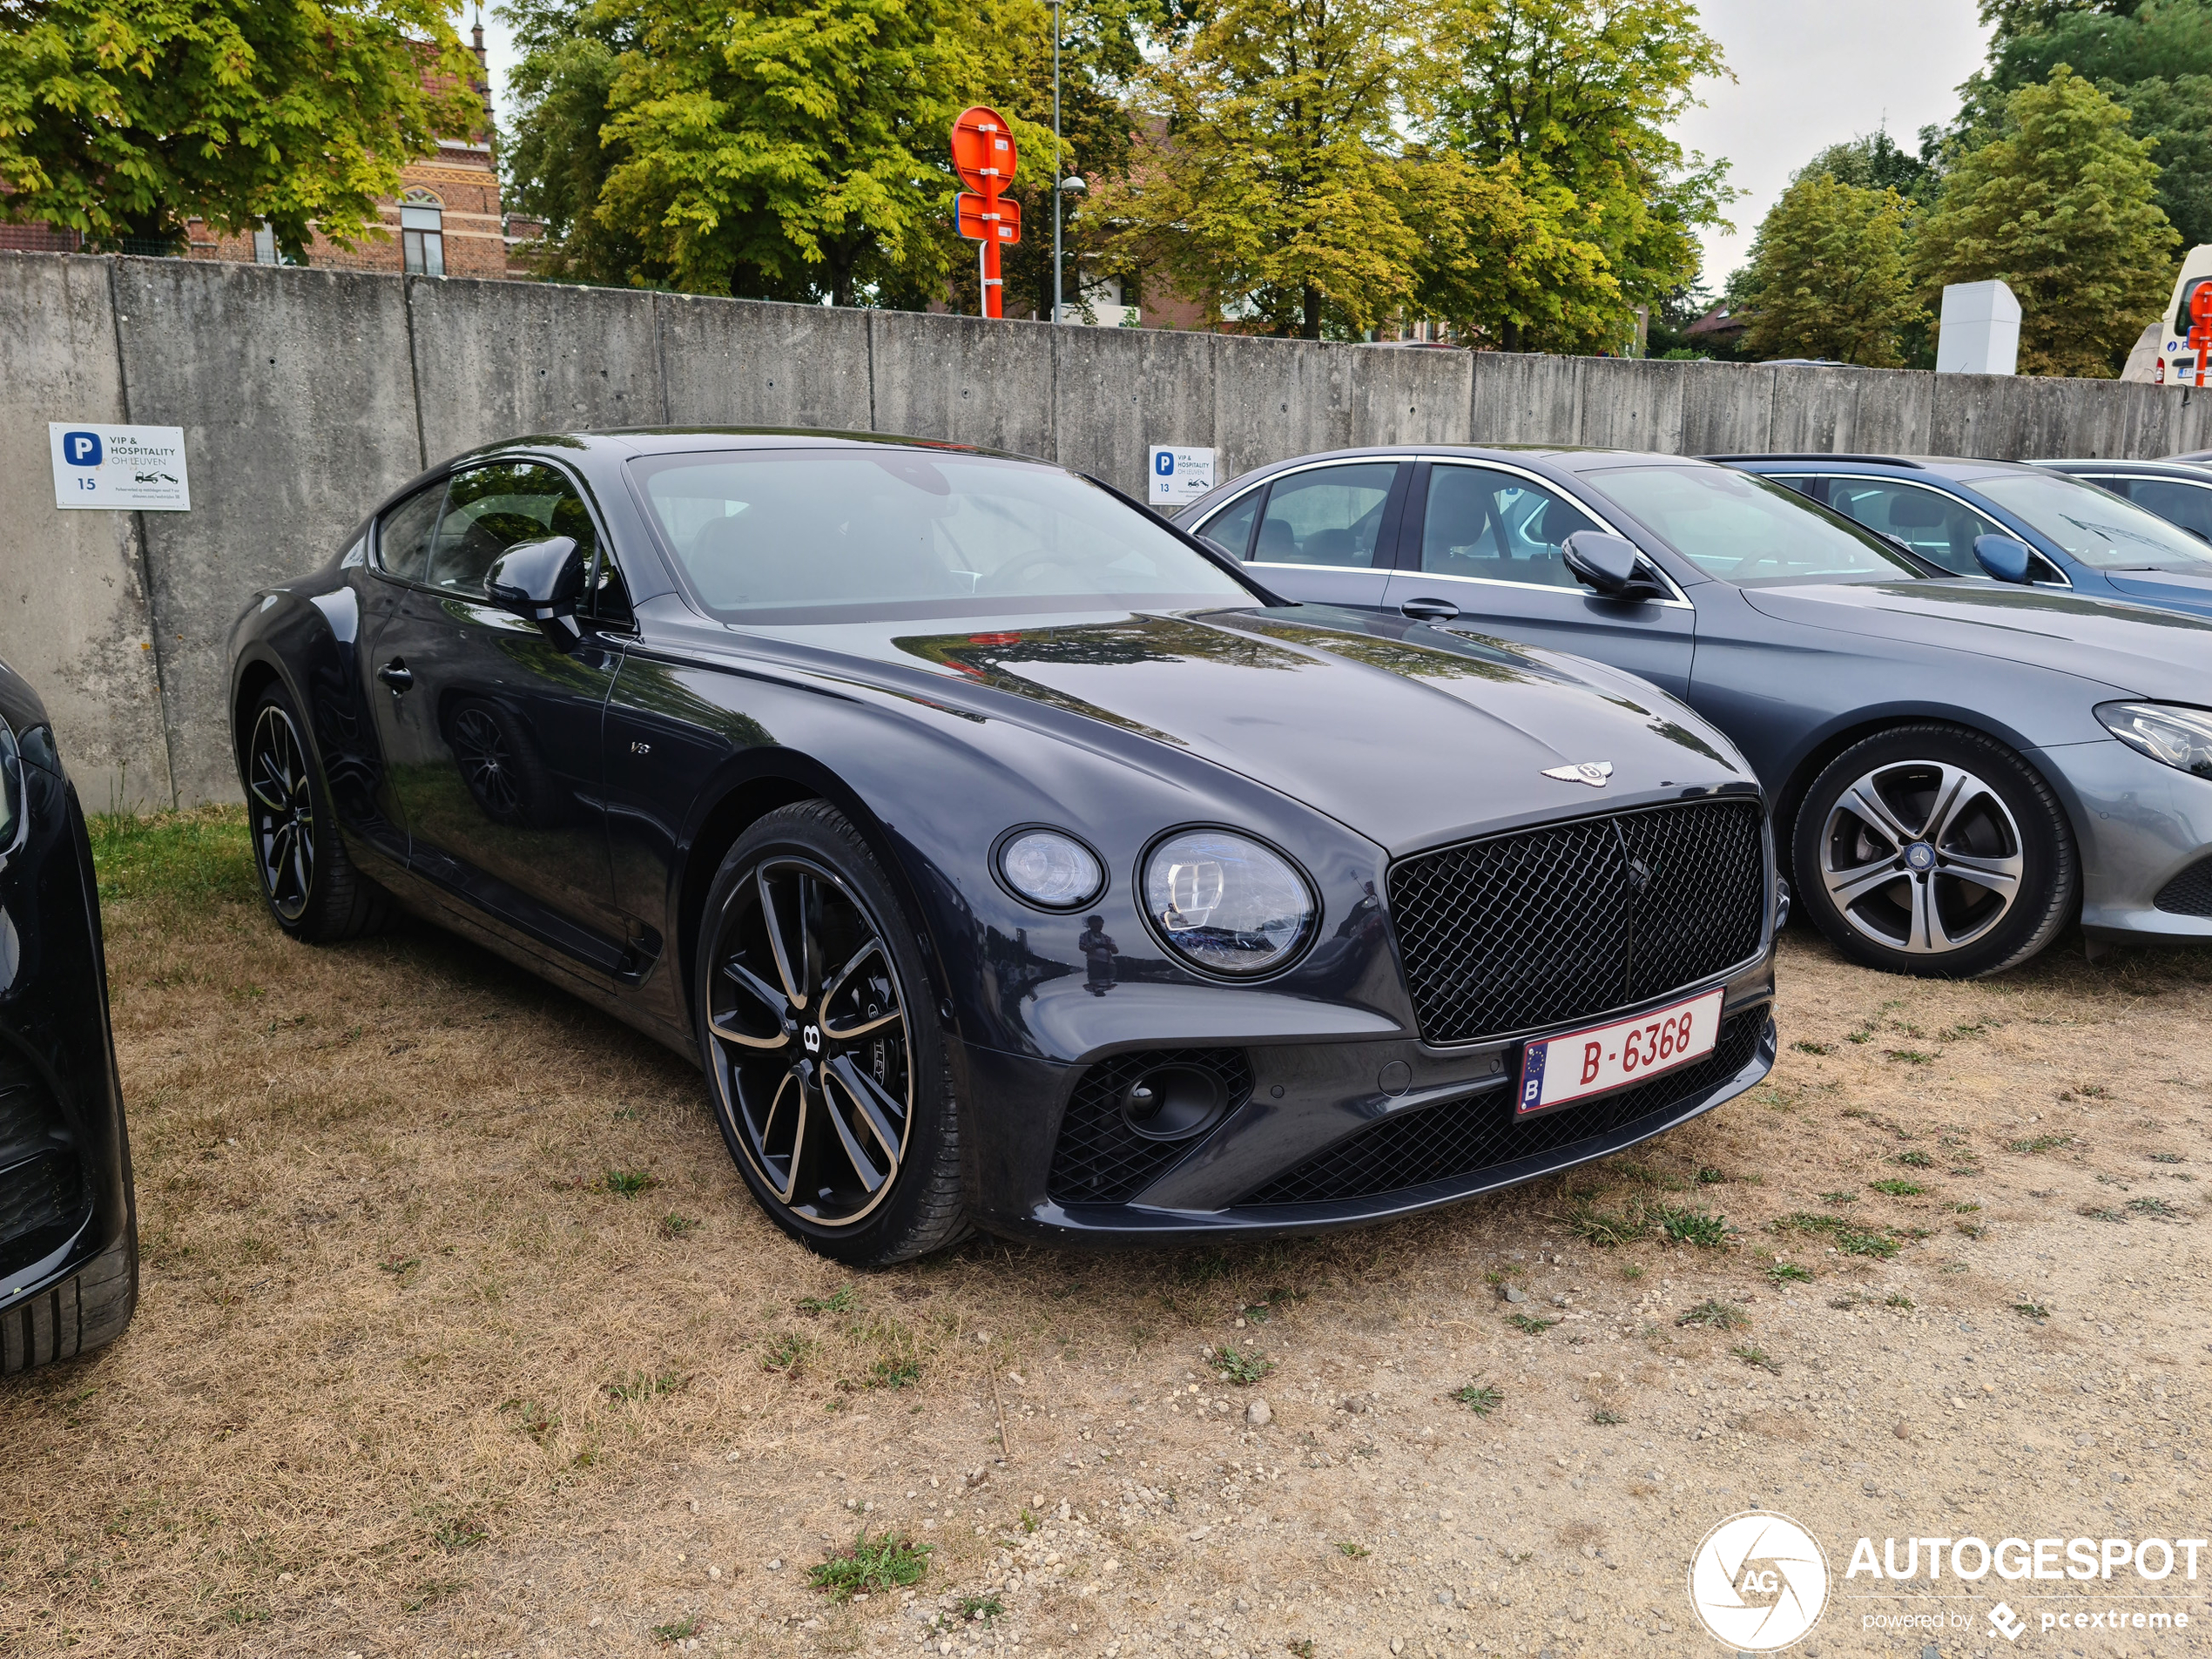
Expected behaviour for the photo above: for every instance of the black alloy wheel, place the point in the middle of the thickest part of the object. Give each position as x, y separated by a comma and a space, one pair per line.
313, 889
1934, 851
283, 812
827, 1076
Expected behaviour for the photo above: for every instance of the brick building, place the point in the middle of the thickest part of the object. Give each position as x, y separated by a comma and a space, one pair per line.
446, 221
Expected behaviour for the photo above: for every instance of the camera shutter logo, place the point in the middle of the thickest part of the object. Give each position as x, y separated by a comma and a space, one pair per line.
81, 449
1759, 1582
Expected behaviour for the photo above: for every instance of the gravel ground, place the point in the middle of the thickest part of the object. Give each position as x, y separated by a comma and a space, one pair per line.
460, 1336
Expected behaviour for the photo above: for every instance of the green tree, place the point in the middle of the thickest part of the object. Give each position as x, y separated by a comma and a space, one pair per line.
1581, 94
1265, 180
2060, 208
1502, 256
2154, 56
123, 118
554, 163
1828, 275
790, 149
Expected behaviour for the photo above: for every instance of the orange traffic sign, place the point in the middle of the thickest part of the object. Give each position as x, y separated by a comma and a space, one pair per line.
983, 148
983, 219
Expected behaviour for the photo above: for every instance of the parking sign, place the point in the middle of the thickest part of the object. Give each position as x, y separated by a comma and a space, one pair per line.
133, 468
1179, 473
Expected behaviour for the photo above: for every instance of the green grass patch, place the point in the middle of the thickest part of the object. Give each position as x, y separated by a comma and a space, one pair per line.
1607, 1228
1479, 1398
1789, 1273
1717, 1315
1529, 1324
628, 1184
985, 1608
1915, 1159
1236, 1366
1604, 1418
197, 859
1755, 1356
1898, 1189
1691, 1227
2034, 1310
2040, 1143
682, 1630
1814, 1047
1353, 1552
889, 1562
838, 1301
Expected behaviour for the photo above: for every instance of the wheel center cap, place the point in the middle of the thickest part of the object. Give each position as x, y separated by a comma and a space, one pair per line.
812, 1036
1920, 856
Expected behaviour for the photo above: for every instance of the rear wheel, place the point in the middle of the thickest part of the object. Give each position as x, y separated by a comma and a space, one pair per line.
826, 1067
87, 1311
1934, 851
312, 887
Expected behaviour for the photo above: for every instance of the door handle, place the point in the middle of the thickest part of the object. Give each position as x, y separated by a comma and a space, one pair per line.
397, 675
1429, 609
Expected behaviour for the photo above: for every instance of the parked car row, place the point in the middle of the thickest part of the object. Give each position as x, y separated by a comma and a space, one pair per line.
1399, 825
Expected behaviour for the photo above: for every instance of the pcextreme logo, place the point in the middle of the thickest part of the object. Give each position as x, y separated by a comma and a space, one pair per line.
1760, 1582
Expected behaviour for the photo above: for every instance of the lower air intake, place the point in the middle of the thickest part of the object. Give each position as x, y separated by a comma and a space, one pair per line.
1457, 1139
1103, 1156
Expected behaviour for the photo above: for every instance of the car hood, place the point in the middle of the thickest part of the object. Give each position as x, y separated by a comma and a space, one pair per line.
2134, 648
2164, 588
1407, 734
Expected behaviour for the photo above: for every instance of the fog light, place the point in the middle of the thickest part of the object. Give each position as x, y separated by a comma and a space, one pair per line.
1173, 1103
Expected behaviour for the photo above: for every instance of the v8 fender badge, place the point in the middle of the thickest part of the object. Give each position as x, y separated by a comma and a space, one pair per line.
1592, 773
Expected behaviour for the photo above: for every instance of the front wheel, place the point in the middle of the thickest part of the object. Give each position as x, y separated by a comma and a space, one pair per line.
1934, 851
825, 1067
312, 887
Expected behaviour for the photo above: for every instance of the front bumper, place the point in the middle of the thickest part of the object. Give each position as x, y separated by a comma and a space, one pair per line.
64, 1165
1337, 1133
2140, 825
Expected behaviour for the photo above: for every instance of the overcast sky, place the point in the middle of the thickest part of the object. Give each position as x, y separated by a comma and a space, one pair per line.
1807, 75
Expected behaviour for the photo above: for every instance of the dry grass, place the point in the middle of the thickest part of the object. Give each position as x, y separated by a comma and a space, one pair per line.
422, 1363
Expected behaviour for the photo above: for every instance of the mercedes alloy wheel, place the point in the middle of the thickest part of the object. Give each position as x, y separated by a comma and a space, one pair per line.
1934, 851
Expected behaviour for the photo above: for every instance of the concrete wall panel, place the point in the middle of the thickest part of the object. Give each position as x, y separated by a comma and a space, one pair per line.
1277, 398
1814, 408
298, 413
74, 619
730, 364
1726, 409
500, 360
1629, 405
1412, 396
1527, 399
1894, 414
1118, 391
965, 379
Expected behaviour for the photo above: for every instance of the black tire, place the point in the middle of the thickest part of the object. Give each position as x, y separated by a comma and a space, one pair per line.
311, 887
1934, 851
87, 1311
810, 1112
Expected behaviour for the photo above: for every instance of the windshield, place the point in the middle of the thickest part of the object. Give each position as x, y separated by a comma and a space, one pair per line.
1744, 530
2096, 526
788, 531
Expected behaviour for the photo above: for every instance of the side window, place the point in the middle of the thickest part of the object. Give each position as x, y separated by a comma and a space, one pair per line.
1329, 515
1934, 526
1498, 527
403, 534
490, 510
1233, 529
2187, 505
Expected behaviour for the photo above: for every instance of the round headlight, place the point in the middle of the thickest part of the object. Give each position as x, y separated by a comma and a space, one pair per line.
1227, 903
1048, 868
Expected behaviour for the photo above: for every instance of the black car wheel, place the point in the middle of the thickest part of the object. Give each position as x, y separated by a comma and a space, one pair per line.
313, 889
824, 1064
1934, 851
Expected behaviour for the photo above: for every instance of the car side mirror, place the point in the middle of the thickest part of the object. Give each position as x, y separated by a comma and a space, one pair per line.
2004, 557
540, 581
1612, 565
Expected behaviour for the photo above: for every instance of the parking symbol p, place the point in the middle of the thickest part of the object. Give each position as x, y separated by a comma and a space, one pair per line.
1164, 463
81, 449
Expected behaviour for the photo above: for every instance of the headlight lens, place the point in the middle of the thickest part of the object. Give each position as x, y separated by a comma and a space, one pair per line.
1051, 869
2173, 732
1226, 902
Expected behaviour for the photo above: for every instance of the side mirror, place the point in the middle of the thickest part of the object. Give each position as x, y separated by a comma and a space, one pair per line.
541, 581
2003, 557
1610, 564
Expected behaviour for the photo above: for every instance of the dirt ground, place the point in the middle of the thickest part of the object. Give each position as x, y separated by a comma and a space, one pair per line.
459, 1335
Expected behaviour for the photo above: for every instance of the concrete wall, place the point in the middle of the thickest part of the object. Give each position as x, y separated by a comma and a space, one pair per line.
307, 394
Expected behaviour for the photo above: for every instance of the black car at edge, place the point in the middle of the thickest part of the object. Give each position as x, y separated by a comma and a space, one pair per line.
1006, 857
69, 1242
